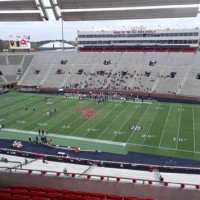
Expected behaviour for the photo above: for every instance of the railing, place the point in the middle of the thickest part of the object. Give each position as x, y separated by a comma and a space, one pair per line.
101, 178
102, 163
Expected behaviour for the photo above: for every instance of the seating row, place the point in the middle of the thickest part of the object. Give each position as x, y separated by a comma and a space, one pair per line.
19, 192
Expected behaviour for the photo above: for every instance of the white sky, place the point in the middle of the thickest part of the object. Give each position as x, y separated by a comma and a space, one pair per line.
52, 30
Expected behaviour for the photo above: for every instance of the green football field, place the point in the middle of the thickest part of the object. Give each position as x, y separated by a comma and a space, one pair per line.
114, 126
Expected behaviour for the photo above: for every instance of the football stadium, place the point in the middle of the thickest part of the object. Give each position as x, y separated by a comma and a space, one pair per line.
114, 117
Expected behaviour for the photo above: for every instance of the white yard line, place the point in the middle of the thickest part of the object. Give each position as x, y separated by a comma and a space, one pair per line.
193, 128
151, 124
177, 138
18, 115
71, 113
38, 108
126, 121
165, 125
138, 123
113, 122
87, 120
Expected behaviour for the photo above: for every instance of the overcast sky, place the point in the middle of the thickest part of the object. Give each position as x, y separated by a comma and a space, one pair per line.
52, 30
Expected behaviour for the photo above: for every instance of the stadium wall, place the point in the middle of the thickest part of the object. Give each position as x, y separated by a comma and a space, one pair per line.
98, 186
156, 96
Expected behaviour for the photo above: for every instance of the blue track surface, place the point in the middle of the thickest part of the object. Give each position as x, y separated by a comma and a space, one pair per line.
131, 157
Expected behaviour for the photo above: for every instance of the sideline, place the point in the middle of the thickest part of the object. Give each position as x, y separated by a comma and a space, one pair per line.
67, 137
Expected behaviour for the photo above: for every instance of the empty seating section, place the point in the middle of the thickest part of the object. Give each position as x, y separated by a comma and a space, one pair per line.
191, 84
26, 63
10, 78
15, 59
169, 84
19, 192
10, 66
180, 59
9, 69
54, 79
43, 69
2, 79
3, 60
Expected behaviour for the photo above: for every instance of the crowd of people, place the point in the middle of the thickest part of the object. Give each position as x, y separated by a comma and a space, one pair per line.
114, 79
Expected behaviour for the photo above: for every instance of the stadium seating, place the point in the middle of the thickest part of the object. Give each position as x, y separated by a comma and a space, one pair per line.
185, 65
20, 192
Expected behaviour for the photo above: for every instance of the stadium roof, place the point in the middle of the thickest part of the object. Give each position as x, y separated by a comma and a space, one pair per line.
88, 15
81, 4
80, 10
22, 10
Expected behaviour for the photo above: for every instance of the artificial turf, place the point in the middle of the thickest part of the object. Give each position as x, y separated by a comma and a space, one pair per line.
113, 126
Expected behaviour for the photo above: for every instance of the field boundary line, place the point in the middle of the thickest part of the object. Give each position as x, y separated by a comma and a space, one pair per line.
67, 137
165, 148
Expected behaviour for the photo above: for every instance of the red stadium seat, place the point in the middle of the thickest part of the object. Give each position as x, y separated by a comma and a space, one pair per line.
54, 196
91, 198
132, 198
5, 190
72, 197
19, 187
39, 198
33, 188
37, 194
82, 194
97, 195
49, 190
19, 197
66, 192
114, 197
4, 196
19, 192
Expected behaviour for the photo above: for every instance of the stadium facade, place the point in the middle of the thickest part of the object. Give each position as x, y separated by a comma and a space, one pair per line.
139, 39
